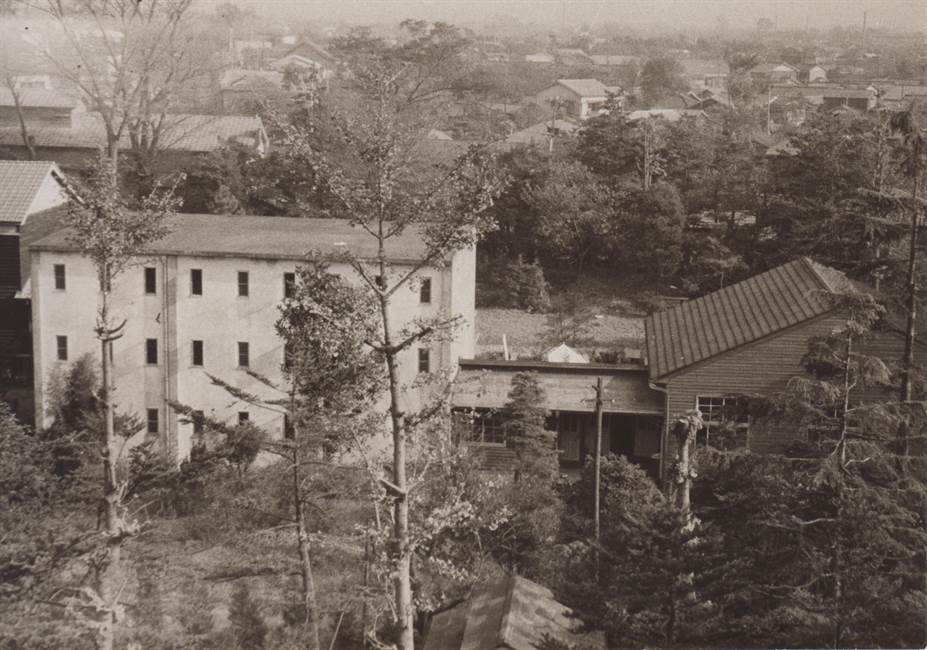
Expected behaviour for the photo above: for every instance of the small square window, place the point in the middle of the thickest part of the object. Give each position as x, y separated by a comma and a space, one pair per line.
151, 280
424, 291
152, 420
424, 360
244, 354
243, 288
61, 343
243, 416
197, 419
197, 353
196, 282
151, 352
60, 277
380, 282
289, 285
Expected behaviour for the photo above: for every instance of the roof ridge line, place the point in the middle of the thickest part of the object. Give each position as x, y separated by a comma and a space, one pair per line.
819, 276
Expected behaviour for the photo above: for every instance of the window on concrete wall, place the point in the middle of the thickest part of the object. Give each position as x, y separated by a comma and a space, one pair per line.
243, 416
289, 285
61, 342
197, 421
151, 280
197, 353
244, 354
60, 277
152, 420
243, 288
424, 291
151, 352
424, 360
196, 282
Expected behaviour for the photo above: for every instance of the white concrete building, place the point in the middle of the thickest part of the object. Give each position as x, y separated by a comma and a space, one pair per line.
204, 302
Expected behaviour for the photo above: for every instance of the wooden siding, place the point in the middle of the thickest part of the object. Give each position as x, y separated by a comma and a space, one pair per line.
764, 368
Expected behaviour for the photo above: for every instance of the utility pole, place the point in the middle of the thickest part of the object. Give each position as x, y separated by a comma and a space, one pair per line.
598, 471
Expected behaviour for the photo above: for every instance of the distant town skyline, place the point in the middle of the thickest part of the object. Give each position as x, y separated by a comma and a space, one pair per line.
670, 15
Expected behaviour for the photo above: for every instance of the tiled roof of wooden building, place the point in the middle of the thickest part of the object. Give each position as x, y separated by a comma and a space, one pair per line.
740, 314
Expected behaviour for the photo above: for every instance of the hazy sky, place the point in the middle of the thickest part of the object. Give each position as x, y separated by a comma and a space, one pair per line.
674, 14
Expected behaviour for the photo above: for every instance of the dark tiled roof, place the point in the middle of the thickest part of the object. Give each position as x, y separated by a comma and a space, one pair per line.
209, 235
511, 612
184, 132
567, 386
739, 314
19, 182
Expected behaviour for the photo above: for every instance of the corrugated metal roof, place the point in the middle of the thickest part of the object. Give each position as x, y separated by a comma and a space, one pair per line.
19, 182
568, 387
184, 132
210, 235
739, 314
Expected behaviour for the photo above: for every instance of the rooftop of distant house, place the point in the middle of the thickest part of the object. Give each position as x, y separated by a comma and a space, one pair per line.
668, 114
541, 131
239, 77
184, 132
587, 87
37, 98
255, 237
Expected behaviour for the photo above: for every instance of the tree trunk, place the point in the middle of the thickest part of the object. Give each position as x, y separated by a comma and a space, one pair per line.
684, 430
23, 130
400, 550
911, 329
111, 573
310, 603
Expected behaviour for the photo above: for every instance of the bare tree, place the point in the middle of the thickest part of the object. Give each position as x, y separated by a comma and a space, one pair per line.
372, 168
131, 62
10, 84
111, 236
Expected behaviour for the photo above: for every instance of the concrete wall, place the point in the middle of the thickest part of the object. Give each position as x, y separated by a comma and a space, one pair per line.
220, 318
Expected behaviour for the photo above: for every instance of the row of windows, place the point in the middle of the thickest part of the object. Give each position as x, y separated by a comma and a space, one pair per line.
197, 357
243, 281
154, 424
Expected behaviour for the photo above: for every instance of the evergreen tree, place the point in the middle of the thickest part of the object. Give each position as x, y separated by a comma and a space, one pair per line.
246, 620
526, 431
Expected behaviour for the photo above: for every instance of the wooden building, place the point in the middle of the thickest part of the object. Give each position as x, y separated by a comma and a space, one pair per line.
749, 339
31, 201
632, 412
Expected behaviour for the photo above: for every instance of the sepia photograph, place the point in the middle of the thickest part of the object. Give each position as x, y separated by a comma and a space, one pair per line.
463, 324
